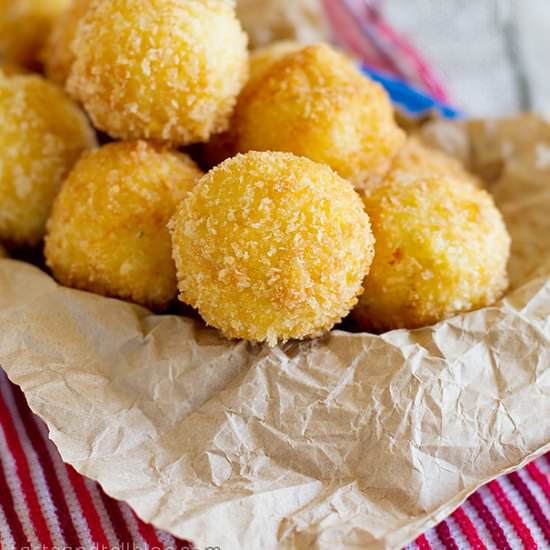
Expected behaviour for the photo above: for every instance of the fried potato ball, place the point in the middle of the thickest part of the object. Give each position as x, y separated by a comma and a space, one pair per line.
24, 26
441, 249
270, 246
7, 68
57, 55
316, 104
42, 134
108, 229
418, 159
160, 69
263, 59
222, 146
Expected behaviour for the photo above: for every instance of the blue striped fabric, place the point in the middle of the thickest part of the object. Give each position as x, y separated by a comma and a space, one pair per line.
408, 98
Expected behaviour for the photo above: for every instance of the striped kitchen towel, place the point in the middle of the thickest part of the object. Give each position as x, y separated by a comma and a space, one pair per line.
359, 27
45, 504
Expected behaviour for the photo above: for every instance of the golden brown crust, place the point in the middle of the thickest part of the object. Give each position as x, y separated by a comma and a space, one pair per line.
107, 232
42, 134
316, 104
223, 146
270, 246
263, 59
419, 159
7, 68
159, 69
24, 26
441, 249
57, 55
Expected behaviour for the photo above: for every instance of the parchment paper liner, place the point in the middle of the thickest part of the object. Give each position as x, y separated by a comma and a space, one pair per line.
349, 441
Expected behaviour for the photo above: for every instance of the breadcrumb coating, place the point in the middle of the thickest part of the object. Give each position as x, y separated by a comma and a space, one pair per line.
270, 246
263, 59
108, 229
42, 134
441, 249
222, 146
57, 55
316, 104
168, 70
24, 26
418, 159
7, 68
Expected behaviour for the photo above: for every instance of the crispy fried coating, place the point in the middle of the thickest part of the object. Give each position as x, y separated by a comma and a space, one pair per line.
108, 229
42, 134
7, 68
57, 55
316, 104
3, 253
441, 249
263, 59
418, 159
270, 246
24, 26
159, 69
222, 146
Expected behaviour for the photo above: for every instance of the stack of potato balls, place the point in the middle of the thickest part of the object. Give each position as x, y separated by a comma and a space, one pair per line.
316, 204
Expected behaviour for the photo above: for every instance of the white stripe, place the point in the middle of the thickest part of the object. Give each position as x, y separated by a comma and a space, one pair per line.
132, 525
103, 514
523, 511
509, 531
544, 466
537, 492
479, 525
167, 540
14, 484
7, 542
77, 515
433, 540
456, 533
47, 506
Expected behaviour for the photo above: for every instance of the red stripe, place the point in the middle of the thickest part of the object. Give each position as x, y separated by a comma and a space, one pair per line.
347, 34
540, 479
89, 512
512, 515
24, 475
8, 506
148, 533
532, 504
468, 529
39, 445
407, 50
363, 31
183, 544
367, 31
444, 534
422, 543
495, 530
117, 520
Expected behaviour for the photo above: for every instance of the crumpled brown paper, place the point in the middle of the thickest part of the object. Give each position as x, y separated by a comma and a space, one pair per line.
266, 21
348, 441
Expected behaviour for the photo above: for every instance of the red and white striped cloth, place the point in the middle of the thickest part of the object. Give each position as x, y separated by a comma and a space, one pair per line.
45, 504
359, 27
